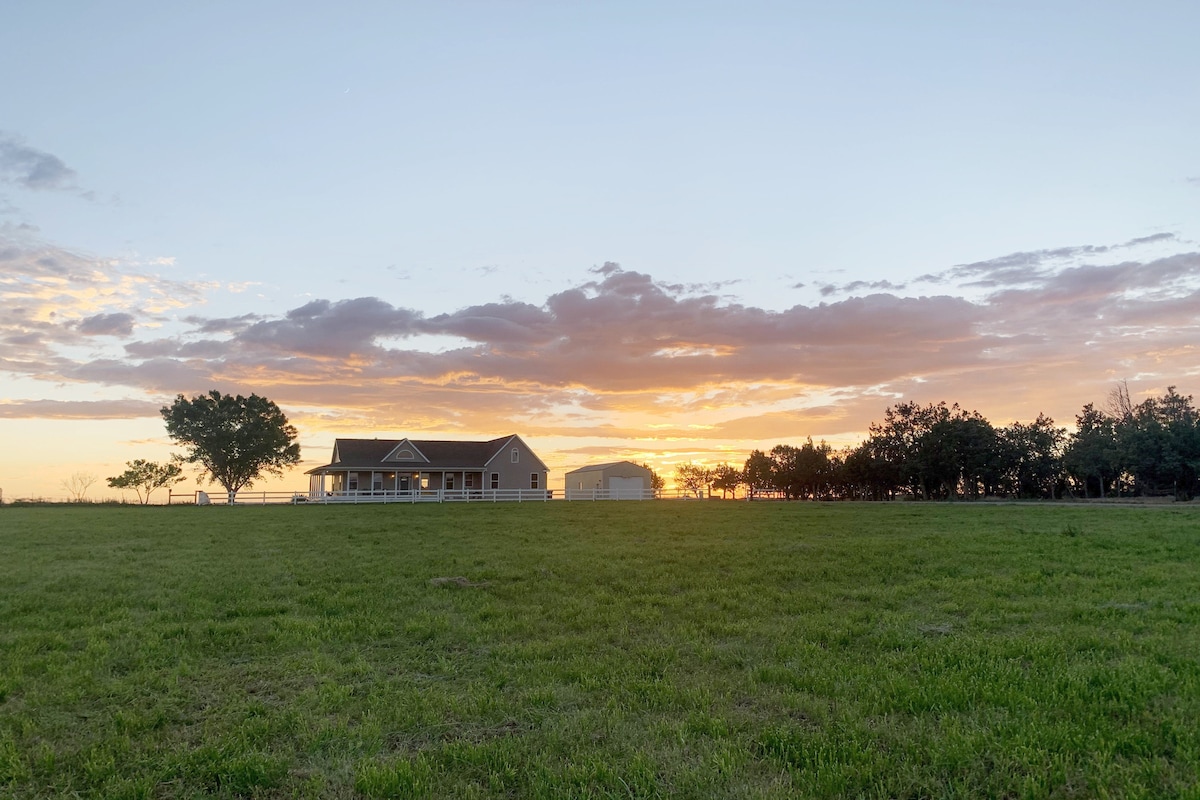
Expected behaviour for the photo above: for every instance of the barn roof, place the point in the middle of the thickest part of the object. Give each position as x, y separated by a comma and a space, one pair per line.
606, 465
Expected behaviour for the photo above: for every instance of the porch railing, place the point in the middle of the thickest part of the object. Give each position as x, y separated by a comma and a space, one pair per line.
431, 496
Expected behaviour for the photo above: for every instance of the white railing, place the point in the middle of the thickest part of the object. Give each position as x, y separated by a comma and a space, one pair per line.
610, 494
366, 496
431, 496
243, 498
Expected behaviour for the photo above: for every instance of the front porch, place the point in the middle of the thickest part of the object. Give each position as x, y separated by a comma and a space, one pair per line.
403, 485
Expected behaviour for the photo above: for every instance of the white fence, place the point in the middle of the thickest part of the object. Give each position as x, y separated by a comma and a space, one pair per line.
251, 498
247, 498
430, 496
611, 494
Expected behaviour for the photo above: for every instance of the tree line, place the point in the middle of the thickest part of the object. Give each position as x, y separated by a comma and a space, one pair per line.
940, 452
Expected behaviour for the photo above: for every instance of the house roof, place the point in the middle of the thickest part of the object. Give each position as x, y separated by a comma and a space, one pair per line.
438, 454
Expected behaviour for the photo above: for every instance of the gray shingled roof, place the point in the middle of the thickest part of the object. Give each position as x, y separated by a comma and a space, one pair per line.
369, 454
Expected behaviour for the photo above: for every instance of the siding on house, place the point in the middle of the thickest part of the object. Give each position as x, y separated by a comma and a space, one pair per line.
403, 464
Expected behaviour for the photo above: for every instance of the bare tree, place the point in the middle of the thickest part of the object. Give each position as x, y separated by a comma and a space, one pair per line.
77, 485
1120, 407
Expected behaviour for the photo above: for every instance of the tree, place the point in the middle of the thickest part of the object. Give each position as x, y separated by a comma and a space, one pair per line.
145, 476
1092, 455
1120, 405
785, 470
803, 471
815, 468
1033, 457
1160, 445
657, 482
77, 485
967, 456
758, 473
233, 439
921, 456
870, 472
727, 478
692, 479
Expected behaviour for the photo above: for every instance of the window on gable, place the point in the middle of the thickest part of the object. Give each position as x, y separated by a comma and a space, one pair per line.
404, 455
516, 456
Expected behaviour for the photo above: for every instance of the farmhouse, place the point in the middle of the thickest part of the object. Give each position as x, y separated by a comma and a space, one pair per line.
617, 480
504, 468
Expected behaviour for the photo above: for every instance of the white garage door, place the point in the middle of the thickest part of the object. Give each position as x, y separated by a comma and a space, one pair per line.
625, 488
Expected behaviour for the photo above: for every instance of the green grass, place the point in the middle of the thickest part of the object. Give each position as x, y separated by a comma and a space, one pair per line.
607, 650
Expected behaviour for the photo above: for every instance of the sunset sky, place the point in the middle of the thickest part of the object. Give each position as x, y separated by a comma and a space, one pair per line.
663, 231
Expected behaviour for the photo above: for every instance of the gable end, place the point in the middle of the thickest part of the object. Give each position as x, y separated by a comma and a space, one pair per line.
406, 451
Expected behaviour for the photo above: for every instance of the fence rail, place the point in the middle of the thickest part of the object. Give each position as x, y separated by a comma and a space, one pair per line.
251, 498
610, 494
430, 496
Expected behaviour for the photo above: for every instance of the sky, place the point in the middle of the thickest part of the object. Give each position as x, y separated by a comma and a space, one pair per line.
660, 231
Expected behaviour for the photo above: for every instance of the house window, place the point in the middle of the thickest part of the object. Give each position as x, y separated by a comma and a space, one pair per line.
424, 480
469, 481
516, 455
352, 483
449, 481
377, 483
533, 480
495, 480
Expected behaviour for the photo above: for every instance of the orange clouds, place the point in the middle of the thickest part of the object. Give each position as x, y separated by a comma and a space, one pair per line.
621, 361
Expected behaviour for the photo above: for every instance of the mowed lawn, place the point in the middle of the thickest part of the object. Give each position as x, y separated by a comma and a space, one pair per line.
661, 649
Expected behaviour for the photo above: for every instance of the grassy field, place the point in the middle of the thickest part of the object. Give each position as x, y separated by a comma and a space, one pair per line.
663, 649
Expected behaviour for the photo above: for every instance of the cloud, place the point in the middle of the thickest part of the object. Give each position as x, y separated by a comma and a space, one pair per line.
78, 409
856, 286
1032, 266
1151, 239
607, 339
223, 325
32, 168
115, 324
622, 359
331, 329
627, 334
52, 298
